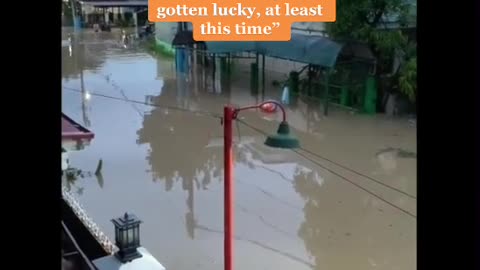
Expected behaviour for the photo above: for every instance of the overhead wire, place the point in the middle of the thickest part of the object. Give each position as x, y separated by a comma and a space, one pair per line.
208, 113
333, 162
218, 116
339, 165
173, 108
359, 173
335, 173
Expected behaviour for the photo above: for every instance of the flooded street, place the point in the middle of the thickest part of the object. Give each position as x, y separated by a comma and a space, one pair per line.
346, 200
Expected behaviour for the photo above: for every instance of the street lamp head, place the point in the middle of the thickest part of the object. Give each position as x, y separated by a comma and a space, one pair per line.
268, 107
283, 138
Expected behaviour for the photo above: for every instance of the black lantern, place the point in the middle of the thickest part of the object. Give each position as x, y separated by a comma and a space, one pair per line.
127, 237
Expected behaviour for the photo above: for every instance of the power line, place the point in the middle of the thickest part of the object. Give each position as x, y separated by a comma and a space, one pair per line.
257, 243
220, 117
207, 113
335, 173
355, 184
173, 108
342, 166
359, 173
259, 216
301, 148
270, 195
339, 165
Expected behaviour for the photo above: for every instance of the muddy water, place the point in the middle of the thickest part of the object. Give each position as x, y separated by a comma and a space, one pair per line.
163, 163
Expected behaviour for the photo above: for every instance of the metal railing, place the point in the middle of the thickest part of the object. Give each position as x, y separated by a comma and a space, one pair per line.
87, 221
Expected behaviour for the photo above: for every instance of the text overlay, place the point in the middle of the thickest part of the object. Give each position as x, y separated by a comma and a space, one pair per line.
247, 20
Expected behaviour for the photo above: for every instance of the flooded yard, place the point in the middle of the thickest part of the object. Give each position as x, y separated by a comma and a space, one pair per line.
346, 200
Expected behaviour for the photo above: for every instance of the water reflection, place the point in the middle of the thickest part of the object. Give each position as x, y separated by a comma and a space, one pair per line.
72, 176
291, 213
78, 57
161, 130
85, 99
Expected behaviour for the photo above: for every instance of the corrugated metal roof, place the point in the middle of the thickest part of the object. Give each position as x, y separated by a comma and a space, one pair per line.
316, 50
115, 3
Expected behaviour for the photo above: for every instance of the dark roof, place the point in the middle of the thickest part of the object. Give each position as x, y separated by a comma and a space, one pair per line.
116, 3
183, 38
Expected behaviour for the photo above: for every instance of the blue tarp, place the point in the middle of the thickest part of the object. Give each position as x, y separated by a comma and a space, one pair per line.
181, 60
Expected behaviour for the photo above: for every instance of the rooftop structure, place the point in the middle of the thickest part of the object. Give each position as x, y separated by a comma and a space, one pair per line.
145, 262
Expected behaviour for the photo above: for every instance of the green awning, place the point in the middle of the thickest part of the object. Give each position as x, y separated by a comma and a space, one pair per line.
219, 47
315, 50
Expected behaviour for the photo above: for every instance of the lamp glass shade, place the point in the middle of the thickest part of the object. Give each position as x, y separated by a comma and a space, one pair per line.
136, 235
117, 235
283, 138
125, 239
131, 237
268, 107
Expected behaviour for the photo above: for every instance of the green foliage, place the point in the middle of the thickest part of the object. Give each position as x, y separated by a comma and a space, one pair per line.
364, 20
408, 78
67, 9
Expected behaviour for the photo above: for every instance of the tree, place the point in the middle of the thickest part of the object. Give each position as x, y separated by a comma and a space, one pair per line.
378, 23
177, 141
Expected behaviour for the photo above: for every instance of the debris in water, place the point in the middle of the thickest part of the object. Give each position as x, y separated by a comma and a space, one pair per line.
99, 167
406, 154
399, 152
412, 122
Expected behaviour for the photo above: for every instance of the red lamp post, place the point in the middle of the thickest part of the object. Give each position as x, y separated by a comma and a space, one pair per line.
282, 139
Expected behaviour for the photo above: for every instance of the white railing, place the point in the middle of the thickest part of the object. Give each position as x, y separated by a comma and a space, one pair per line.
87, 221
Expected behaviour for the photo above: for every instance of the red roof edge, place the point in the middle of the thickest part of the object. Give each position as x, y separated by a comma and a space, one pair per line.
73, 130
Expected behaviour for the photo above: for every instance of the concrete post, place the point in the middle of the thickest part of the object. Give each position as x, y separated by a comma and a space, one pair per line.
218, 75
135, 22
195, 69
107, 17
76, 21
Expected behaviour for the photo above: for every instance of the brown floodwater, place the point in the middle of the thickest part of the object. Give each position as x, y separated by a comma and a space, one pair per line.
347, 203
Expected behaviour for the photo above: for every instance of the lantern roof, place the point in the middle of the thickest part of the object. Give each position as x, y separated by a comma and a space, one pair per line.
126, 220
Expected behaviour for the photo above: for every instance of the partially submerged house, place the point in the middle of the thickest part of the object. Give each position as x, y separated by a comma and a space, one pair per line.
115, 12
351, 65
74, 137
84, 245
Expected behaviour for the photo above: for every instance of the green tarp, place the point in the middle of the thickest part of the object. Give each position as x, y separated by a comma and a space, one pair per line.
230, 46
314, 50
